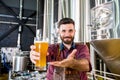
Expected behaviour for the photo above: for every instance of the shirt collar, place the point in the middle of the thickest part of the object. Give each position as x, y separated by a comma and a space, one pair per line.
62, 46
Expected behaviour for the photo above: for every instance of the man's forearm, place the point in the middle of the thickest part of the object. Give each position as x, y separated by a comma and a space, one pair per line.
81, 65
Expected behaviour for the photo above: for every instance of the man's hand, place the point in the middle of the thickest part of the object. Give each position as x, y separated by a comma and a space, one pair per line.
33, 54
68, 62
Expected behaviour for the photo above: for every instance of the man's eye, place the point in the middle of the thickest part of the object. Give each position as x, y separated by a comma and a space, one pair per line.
70, 30
63, 30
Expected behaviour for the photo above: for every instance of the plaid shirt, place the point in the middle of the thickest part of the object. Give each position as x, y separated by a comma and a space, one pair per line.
57, 51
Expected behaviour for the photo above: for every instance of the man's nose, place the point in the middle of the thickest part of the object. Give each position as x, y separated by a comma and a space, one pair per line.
67, 33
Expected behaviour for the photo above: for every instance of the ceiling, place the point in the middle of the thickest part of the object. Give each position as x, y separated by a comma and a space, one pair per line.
27, 4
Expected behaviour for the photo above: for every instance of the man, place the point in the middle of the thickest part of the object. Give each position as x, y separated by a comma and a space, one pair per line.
66, 54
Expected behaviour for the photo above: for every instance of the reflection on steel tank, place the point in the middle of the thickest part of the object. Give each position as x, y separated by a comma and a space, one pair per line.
103, 22
105, 35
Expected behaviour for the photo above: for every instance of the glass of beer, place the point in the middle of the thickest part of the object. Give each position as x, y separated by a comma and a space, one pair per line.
41, 47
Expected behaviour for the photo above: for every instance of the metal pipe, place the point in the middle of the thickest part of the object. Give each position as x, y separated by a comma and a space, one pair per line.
20, 26
100, 62
104, 77
93, 61
37, 15
48, 19
67, 8
104, 68
63, 8
59, 10
75, 14
87, 21
15, 23
108, 73
10, 16
82, 21
52, 22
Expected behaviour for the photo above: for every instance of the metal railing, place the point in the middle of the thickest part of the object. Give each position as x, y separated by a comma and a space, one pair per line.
96, 75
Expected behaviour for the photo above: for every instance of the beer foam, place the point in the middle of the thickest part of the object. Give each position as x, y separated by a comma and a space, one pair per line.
40, 42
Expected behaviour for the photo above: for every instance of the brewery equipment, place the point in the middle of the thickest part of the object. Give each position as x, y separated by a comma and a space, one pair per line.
21, 67
20, 62
105, 34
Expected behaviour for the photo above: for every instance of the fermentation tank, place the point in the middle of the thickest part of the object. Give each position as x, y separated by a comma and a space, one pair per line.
105, 34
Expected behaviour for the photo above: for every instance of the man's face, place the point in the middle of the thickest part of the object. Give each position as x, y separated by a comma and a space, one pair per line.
67, 32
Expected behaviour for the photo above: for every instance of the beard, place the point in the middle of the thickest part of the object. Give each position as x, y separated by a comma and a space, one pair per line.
67, 40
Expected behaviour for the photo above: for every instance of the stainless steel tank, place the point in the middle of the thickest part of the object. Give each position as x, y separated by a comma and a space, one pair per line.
20, 62
105, 34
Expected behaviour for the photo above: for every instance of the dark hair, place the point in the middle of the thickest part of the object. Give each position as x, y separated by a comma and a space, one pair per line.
66, 21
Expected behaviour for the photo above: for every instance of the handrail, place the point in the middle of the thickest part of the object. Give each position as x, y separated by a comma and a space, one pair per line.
94, 75
108, 73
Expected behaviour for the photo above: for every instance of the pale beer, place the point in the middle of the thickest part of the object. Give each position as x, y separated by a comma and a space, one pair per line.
41, 47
